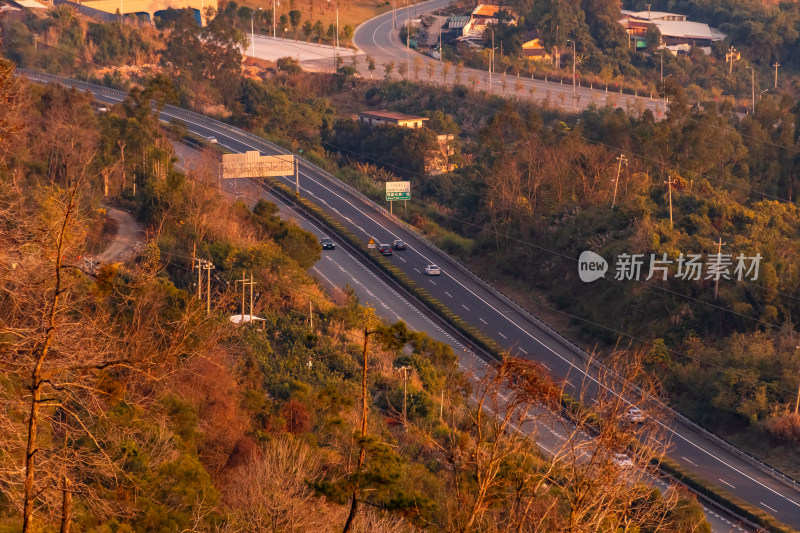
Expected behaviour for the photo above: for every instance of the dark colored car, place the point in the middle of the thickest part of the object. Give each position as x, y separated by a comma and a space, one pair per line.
385, 249
399, 245
328, 244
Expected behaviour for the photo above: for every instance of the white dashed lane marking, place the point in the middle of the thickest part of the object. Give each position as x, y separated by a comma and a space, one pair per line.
482, 320
432, 281
506, 338
688, 460
465, 307
731, 486
447, 293
768, 507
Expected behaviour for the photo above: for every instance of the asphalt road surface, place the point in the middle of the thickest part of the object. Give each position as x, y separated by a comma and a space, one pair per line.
497, 316
377, 38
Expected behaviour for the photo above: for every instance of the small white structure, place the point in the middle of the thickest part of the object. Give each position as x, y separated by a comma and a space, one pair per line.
243, 319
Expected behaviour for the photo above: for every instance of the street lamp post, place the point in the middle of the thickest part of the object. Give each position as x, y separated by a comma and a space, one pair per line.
574, 95
253, 31
274, 18
491, 60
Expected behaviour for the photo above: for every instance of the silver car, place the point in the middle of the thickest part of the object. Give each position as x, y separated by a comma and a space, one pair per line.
433, 270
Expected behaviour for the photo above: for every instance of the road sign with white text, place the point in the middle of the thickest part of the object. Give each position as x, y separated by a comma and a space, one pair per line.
398, 190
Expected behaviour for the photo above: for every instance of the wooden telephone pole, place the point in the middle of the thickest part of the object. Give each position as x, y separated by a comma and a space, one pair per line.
622, 159
244, 281
669, 183
208, 266
719, 244
404, 370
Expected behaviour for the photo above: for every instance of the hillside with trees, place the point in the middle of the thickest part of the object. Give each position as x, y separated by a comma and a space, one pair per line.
126, 406
534, 189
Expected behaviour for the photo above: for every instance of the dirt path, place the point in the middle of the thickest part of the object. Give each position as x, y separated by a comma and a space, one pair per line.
129, 234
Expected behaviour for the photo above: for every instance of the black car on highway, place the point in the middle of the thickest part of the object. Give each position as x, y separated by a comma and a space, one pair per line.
328, 244
399, 245
385, 249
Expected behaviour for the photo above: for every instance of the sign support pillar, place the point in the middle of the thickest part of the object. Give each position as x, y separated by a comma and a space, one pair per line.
296, 178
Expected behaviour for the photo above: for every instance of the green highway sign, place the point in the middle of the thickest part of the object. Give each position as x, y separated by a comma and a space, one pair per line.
398, 190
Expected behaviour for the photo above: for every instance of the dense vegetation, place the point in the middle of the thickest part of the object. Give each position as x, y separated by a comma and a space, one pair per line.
764, 33
533, 190
540, 191
127, 408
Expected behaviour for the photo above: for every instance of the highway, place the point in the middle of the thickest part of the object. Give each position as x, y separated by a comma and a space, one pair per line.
497, 316
340, 267
376, 38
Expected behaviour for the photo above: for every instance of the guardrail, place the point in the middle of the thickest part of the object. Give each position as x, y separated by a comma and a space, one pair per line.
174, 110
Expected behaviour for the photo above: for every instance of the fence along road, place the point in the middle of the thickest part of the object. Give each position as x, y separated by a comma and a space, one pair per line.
494, 314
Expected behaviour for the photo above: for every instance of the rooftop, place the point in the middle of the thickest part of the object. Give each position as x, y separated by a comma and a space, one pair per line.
654, 15
390, 115
529, 35
683, 29
485, 10
457, 22
30, 4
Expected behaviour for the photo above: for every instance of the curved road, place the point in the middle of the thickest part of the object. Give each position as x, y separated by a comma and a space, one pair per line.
485, 308
376, 38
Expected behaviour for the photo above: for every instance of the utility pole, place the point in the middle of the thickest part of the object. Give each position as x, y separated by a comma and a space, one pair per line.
669, 183
208, 266
122, 156
274, 18
730, 57
491, 62
199, 278
797, 403
252, 30
404, 370
753, 87
776, 65
622, 159
244, 283
251, 295
441, 52
408, 30
719, 244
574, 96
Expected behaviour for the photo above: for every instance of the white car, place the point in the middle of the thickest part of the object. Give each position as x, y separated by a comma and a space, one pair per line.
212, 140
634, 415
432, 270
622, 460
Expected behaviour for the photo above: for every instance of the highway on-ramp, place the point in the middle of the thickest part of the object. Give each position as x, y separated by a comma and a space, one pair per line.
497, 316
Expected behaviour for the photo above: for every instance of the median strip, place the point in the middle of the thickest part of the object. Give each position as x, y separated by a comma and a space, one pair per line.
571, 407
